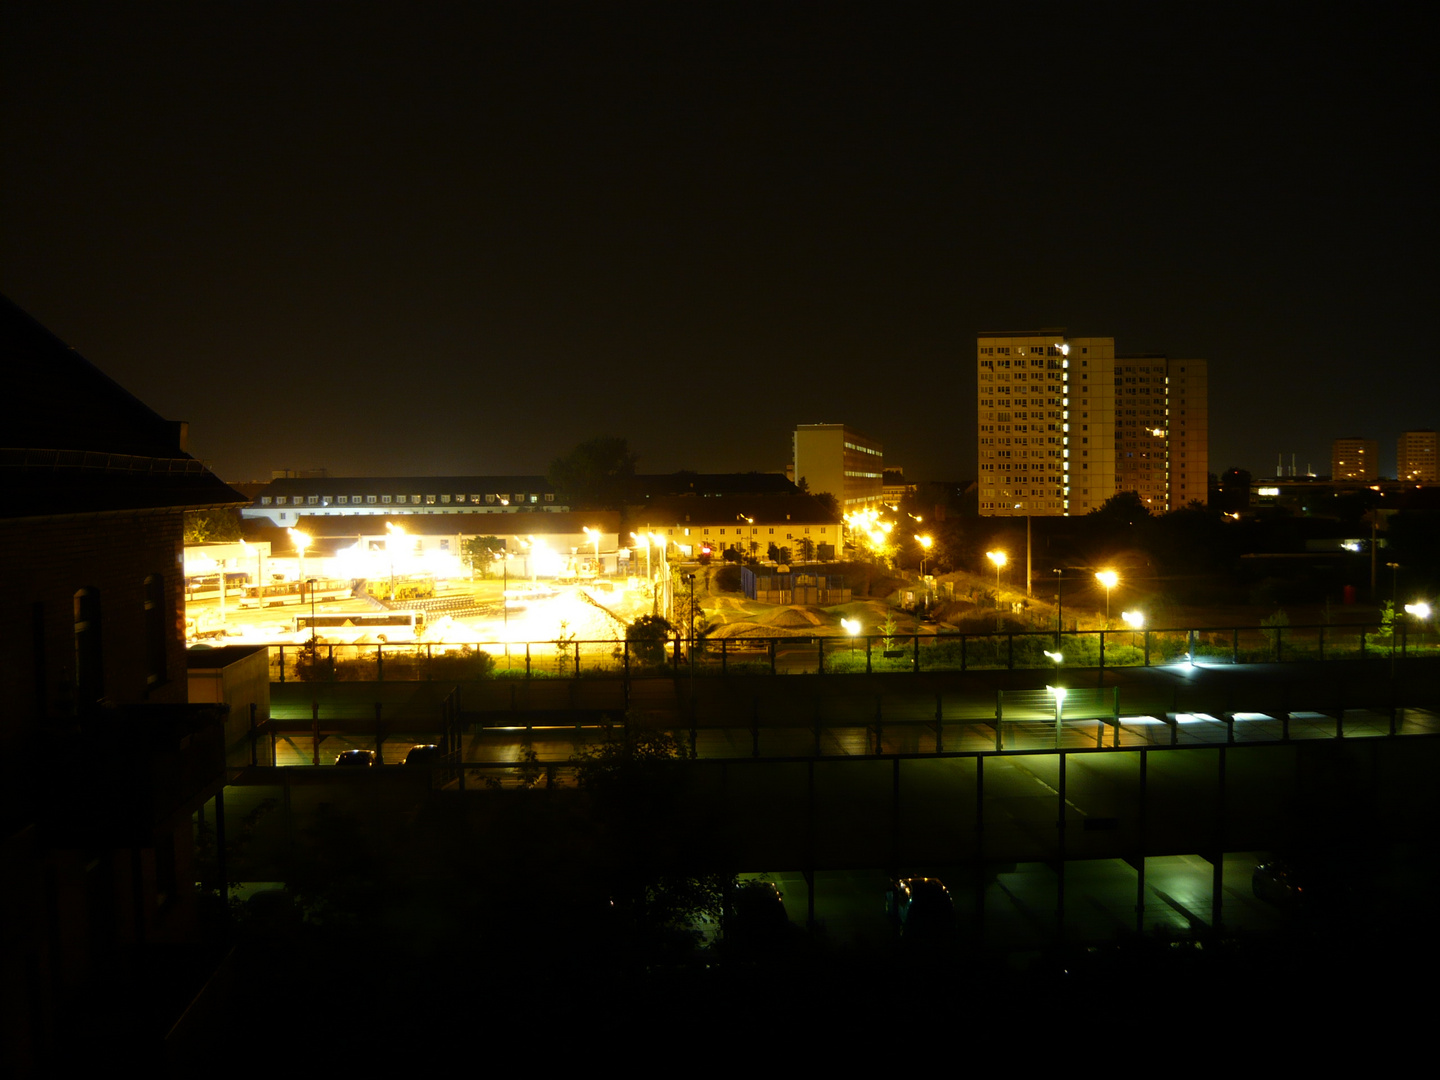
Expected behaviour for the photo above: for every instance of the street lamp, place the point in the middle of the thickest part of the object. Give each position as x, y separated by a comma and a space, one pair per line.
999, 558
852, 627
1419, 611
311, 583
1059, 608
301, 541
925, 543
690, 580
1135, 620
1108, 578
594, 534
393, 531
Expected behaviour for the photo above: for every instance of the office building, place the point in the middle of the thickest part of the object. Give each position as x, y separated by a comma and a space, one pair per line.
1064, 424
1355, 460
838, 459
1415, 458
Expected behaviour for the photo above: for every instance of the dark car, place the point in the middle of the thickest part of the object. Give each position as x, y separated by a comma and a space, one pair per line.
428, 754
356, 759
756, 923
923, 908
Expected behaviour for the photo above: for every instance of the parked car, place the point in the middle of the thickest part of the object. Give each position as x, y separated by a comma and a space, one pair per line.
923, 908
428, 754
756, 923
361, 759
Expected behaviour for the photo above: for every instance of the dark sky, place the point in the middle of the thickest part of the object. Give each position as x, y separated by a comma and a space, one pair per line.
422, 238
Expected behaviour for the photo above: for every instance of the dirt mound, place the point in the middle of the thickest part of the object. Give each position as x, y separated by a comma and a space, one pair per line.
729, 603
799, 618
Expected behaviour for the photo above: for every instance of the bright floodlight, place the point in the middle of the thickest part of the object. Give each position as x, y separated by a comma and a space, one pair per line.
1059, 658
852, 626
1058, 691
1133, 619
1064, 349
925, 542
999, 558
1108, 578
1420, 610
301, 540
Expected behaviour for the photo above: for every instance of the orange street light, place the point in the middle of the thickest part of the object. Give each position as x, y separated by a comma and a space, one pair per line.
1108, 578
999, 558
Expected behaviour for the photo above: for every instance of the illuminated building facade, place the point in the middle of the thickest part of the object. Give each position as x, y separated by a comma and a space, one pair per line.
748, 525
1064, 424
285, 500
1355, 459
838, 459
1415, 458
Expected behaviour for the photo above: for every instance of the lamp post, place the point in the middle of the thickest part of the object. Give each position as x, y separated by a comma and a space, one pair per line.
852, 627
1419, 611
999, 558
690, 636
1059, 607
1135, 620
925, 543
392, 531
594, 534
311, 583
301, 541
1108, 578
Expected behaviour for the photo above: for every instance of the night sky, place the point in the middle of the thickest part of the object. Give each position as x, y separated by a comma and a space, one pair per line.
429, 239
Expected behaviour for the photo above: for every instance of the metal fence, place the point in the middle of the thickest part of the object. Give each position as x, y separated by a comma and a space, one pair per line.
838, 655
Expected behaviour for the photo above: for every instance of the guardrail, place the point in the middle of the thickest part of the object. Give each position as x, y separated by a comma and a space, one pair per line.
899, 653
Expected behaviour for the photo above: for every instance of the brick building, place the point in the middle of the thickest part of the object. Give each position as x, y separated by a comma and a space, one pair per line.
97, 846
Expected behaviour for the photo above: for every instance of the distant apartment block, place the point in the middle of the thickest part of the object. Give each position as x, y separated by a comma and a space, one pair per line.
1354, 459
842, 461
1415, 458
1064, 424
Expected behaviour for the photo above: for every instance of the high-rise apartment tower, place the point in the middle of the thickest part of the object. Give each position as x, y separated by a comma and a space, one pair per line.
1415, 458
1064, 424
1355, 459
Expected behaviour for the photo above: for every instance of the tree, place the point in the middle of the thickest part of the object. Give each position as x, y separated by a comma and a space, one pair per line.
211, 526
659, 889
1124, 507
807, 549
830, 502
479, 553
647, 637
597, 474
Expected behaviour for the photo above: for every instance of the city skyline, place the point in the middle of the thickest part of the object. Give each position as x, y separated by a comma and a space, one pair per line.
461, 241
